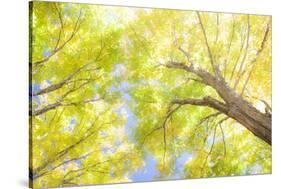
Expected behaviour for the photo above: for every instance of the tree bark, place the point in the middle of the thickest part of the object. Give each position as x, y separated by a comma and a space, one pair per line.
234, 105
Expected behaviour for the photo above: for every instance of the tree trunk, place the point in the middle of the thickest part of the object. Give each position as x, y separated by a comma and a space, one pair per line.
234, 105
246, 116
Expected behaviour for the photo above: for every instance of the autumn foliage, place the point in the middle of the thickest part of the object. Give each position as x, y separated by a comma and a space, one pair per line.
110, 86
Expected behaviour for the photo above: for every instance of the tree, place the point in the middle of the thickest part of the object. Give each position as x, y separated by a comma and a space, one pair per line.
234, 105
72, 110
110, 85
211, 60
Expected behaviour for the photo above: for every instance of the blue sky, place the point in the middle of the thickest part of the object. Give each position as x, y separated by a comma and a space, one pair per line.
149, 170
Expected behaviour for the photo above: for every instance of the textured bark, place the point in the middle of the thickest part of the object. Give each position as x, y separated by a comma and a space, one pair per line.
234, 105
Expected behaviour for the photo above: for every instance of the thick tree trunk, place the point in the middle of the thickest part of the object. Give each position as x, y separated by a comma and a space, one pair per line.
242, 111
234, 105
246, 116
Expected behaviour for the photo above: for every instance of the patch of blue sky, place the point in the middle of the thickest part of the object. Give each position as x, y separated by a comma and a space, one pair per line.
179, 165
102, 134
36, 100
113, 88
256, 169
131, 121
49, 82
118, 70
130, 124
245, 172
33, 88
78, 163
110, 150
70, 126
148, 172
64, 167
127, 97
46, 52
72, 120
112, 174
124, 86
105, 150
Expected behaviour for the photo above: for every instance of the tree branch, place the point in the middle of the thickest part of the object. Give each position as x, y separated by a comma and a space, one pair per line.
169, 114
63, 152
229, 47
239, 74
58, 48
215, 69
59, 85
223, 139
237, 59
206, 101
61, 28
257, 55
213, 141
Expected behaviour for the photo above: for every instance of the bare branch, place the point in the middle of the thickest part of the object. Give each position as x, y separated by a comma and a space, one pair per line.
208, 117
213, 141
187, 55
58, 48
79, 172
237, 59
63, 152
169, 114
218, 23
223, 139
229, 46
195, 80
206, 101
61, 28
150, 133
245, 54
257, 55
59, 85
60, 102
141, 41
61, 164
215, 69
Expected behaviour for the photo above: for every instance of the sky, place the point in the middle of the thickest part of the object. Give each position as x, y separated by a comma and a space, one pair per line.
149, 170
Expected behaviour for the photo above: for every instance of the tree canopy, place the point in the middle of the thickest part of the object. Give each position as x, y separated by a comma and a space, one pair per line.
120, 94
